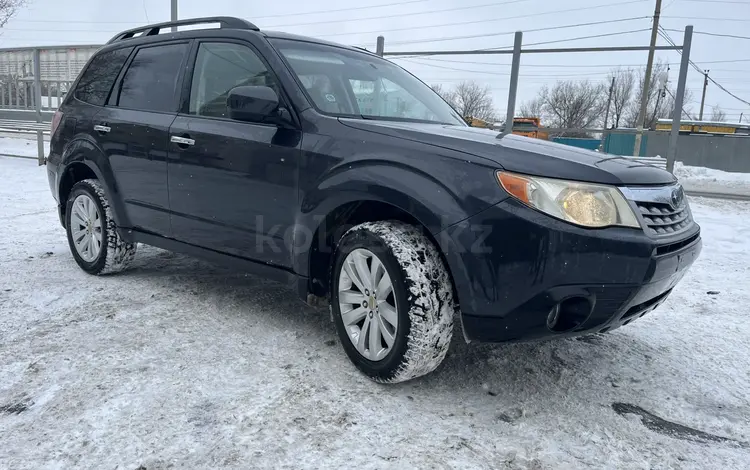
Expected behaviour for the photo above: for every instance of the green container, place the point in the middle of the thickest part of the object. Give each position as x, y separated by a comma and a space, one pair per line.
622, 144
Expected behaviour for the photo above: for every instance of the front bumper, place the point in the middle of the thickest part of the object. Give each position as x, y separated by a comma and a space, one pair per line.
513, 265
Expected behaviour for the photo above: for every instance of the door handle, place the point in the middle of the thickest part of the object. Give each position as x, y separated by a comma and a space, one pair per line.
102, 129
182, 141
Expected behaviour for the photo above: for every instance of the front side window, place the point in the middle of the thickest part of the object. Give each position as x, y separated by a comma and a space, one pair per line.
96, 82
345, 82
219, 67
150, 83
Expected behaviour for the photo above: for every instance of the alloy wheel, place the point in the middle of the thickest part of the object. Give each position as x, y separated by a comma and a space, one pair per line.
86, 228
368, 305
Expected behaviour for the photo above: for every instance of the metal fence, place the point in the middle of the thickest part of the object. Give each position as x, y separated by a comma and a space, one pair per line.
33, 83
518, 50
57, 69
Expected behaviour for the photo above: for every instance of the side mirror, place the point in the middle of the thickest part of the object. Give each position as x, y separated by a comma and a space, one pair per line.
253, 104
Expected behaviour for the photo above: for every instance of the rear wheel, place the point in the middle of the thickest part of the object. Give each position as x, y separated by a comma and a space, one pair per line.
92, 235
392, 301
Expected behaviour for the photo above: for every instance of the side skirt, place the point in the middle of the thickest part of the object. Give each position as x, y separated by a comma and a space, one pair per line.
281, 275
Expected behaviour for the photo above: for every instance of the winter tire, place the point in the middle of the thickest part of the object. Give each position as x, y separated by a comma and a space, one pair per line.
92, 234
392, 301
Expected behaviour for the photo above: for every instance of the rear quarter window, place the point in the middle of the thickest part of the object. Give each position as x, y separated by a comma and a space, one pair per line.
97, 80
150, 83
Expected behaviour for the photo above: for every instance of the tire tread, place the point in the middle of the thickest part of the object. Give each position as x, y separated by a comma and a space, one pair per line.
430, 294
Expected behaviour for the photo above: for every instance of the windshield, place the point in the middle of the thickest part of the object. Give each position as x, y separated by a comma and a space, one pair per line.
355, 84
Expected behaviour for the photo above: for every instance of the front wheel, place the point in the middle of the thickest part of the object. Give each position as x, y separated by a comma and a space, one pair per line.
392, 301
92, 234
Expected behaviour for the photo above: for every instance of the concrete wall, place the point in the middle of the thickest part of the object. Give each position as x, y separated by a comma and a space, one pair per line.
719, 152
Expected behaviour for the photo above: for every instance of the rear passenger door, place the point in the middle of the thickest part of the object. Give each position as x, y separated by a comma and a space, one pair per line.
134, 132
233, 187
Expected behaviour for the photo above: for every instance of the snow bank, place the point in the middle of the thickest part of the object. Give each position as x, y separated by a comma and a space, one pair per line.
697, 173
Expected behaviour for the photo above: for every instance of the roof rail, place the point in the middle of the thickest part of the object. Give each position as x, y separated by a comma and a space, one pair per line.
364, 49
154, 29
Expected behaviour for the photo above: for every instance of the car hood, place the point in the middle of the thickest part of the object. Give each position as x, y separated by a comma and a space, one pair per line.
523, 154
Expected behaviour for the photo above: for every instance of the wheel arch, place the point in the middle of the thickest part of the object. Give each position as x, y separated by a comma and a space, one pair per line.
316, 261
83, 159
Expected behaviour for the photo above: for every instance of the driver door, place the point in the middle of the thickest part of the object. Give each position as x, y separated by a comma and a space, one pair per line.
232, 184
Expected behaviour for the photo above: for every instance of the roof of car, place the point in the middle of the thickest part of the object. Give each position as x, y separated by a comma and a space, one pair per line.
225, 22
296, 37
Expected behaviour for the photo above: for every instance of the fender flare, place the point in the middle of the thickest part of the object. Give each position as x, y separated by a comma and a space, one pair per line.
82, 149
408, 189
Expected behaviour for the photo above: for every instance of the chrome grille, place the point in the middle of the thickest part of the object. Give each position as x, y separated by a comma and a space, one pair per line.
663, 210
662, 219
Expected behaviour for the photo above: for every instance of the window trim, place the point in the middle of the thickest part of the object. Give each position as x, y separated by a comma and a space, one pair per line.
114, 98
74, 95
274, 43
187, 85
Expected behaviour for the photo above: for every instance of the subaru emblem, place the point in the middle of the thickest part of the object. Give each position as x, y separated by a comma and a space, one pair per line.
677, 195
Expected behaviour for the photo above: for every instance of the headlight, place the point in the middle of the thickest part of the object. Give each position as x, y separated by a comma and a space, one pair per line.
586, 204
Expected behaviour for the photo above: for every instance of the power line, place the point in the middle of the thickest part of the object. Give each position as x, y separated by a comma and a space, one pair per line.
401, 15
564, 65
727, 91
317, 12
732, 61
712, 34
505, 18
145, 10
337, 10
745, 20
665, 35
496, 73
551, 28
540, 43
619, 33
505, 33
683, 106
717, 1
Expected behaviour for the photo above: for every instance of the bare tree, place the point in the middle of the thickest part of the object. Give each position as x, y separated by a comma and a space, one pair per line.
573, 104
660, 101
532, 108
438, 88
8, 8
470, 99
718, 114
621, 92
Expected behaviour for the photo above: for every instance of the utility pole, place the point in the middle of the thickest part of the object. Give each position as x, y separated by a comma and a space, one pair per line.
173, 16
515, 65
679, 96
703, 99
646, 80
380, 46
603, 143
609, 102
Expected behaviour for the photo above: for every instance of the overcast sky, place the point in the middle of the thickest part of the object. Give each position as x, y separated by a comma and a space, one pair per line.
427, 24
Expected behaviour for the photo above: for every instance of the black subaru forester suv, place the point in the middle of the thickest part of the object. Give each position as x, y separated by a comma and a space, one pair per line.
333, 170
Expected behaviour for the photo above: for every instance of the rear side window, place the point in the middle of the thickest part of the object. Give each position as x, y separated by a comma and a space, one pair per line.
96, 82
151, 80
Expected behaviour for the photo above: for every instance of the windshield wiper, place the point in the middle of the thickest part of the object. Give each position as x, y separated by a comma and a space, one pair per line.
370, 117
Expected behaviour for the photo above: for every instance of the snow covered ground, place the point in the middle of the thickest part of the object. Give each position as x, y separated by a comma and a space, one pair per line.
23, 145
179, 364
708, 179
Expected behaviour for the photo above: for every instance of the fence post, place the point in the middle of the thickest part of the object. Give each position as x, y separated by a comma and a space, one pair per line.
679, 97
38, 104
513, 83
